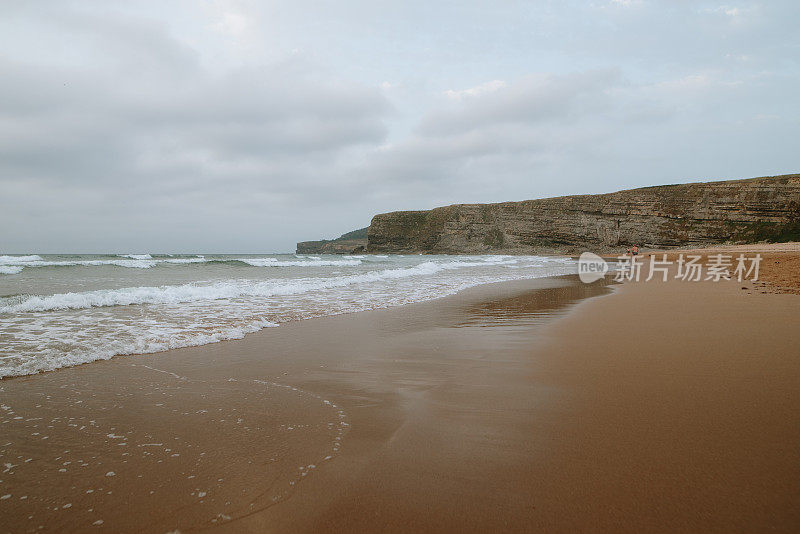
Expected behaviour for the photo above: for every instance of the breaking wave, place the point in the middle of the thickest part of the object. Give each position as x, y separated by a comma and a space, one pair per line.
15, 264
230, 289
11, 269
273, 262
136, 256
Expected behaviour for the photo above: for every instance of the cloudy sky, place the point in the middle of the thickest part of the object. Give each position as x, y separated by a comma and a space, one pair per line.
244, 126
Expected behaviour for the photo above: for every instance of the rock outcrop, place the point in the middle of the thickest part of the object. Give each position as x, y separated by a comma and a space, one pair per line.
697, 214
349, 243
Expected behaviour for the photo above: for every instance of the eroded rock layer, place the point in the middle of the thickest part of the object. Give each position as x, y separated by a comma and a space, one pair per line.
696, 214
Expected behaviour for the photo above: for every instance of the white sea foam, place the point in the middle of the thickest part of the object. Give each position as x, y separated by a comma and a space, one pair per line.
219, 290
11, 269
14, 260
274, 262
154, 340
138, 264
136, 256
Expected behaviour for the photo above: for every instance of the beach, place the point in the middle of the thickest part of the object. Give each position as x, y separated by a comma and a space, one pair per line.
526, 405
399, 267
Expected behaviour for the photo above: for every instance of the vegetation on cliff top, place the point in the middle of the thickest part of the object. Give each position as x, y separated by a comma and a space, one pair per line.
361, 233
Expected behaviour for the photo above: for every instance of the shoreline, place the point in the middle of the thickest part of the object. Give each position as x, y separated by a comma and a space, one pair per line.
526, 404
269, 324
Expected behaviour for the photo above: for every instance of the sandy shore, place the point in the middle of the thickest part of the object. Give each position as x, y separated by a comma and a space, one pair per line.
519, 406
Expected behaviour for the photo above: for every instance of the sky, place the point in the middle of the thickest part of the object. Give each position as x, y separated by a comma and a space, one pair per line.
243, 126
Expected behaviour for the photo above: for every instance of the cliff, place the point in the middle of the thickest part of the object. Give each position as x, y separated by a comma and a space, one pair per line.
697, 214
349, 243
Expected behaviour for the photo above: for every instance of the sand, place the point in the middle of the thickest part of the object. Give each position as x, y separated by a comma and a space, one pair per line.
544, 405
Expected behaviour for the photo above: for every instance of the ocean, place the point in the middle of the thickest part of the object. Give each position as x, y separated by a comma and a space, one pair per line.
63, 310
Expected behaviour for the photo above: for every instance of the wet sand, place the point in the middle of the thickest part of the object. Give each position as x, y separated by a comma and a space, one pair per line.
519, 406
205, 436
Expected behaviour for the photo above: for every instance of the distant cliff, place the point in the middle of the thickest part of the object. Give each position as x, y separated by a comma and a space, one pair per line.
696, 214
349, 243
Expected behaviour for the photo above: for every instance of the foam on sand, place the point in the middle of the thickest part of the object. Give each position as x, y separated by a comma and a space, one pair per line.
155, 340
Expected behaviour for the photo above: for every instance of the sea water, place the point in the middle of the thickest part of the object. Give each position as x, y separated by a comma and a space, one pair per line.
64, 310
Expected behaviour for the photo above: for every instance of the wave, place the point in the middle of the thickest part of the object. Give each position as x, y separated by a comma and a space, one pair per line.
219, 290
145, 261
199, 259
134, 264
15, 264
136, 256
274, 262
5, 260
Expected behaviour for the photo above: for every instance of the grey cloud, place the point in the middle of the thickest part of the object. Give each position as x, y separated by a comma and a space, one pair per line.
84, 129
143, 126
561, 134
531, 99
524, 120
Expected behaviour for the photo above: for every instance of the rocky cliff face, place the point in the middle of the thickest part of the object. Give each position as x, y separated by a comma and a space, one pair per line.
663, 216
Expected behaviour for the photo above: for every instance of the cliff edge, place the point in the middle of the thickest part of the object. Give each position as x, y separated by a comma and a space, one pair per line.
696, 214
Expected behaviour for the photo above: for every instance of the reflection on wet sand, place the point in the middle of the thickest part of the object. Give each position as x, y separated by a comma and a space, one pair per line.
532, 307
